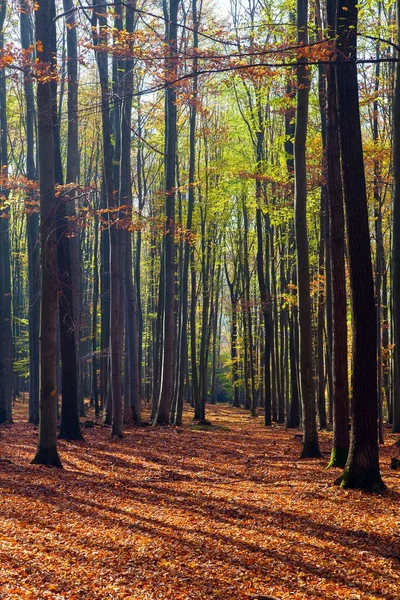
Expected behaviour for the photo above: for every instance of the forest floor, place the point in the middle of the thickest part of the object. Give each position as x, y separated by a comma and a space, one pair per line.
227, 514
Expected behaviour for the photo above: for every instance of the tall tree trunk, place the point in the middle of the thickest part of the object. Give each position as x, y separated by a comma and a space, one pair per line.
396, 237
168, 358
336, 239
32, 226
6, 344
183, 340
99, 25
126, 200
310, 437
67, 242
362, 466
47, 445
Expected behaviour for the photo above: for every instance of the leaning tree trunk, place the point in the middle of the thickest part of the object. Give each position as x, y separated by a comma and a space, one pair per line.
47, 445
310, 436
362, 466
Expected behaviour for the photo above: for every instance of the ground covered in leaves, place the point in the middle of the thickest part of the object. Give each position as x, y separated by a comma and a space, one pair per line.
228, 513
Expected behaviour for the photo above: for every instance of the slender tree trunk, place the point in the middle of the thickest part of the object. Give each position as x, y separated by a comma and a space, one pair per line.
32, 226
183, 341
168, 358
99, 25
310, 437
396, 238
340, 389
126, 200
66, 242
6, 340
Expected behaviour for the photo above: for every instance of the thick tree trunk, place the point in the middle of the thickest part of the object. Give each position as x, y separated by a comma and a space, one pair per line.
47, 445
362, 466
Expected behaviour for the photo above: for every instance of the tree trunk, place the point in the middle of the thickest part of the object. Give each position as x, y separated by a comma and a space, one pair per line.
362, 466
310, 437
6, 340
66, 241
168, 359
47, 445
396, 238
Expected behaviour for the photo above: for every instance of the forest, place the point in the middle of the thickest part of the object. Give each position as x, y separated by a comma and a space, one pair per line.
199, 298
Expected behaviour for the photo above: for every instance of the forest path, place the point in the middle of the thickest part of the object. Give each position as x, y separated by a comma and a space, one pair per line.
185, 514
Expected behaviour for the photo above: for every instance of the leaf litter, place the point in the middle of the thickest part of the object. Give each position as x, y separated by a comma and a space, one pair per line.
224, 513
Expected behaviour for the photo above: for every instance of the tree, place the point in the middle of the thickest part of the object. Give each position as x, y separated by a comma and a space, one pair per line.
99, 33
396, 238
47, 453
168, 349
310, 437
32, 223
336, 241
68, 250
362, 466
6, 369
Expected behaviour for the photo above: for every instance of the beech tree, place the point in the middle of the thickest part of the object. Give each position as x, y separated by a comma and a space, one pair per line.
47, 445
5, 281
310, 440
362, 466
168, 340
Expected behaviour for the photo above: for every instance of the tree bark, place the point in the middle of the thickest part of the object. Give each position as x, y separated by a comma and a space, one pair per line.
47, 453
168, 359
362, 466
310, 436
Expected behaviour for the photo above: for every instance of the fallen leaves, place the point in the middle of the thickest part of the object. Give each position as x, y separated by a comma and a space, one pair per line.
227, 513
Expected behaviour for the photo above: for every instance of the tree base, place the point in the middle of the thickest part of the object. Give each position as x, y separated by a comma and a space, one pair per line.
71, 435
338, 458
162, 421
204, 422
311, 450
367, 480
48, 457
116, 434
